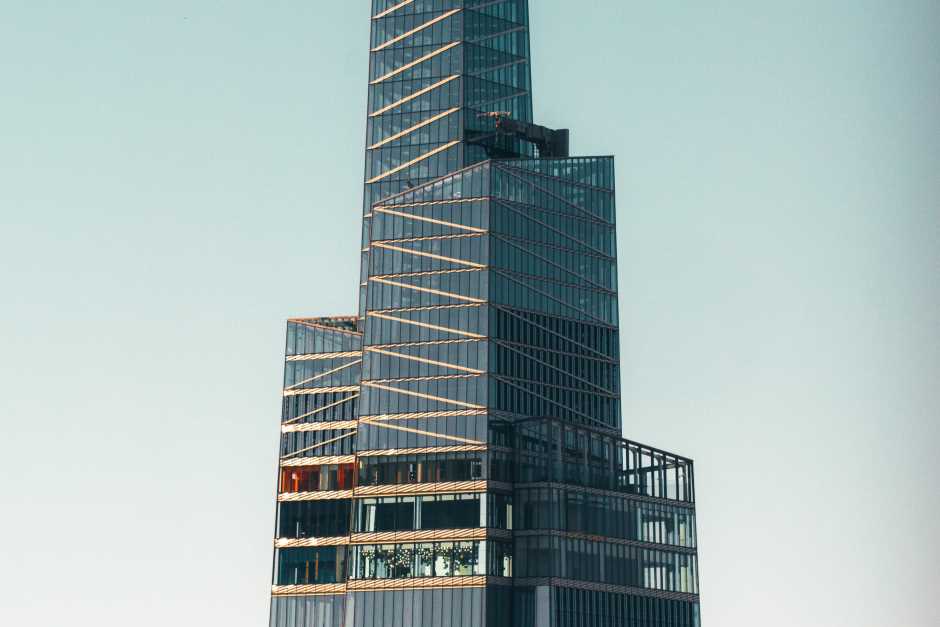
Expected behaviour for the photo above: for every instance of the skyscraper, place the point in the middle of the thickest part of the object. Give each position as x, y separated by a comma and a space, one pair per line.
452, 455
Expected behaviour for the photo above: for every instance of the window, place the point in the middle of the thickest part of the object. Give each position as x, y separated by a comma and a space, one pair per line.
308, 519
432, 559
444, 511
317, 478
305, 566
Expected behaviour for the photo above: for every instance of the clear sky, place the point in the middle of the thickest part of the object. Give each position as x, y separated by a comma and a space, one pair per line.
177, 178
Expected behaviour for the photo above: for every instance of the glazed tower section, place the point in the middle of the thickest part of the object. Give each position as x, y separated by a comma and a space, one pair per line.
452, 455
316, 471
436, 67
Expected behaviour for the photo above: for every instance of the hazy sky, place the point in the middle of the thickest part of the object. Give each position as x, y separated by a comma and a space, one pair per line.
177, 178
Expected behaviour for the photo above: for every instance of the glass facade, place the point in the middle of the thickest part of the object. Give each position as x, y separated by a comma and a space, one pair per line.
432, 559
435, 68
310, 565
438, 511
452, 454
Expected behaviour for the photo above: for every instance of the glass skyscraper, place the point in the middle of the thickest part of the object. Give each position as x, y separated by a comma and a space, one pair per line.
452, 454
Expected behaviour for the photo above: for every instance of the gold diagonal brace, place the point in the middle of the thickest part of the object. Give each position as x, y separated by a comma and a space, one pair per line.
324, 408
418, 159
412, 129
432, 362
428, 290
324, 374
318, 445
417, 61
417, 29
425, 325
411, 97
421, 395
392, 9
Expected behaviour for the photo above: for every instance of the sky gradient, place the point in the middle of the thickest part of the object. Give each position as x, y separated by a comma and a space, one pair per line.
178, 178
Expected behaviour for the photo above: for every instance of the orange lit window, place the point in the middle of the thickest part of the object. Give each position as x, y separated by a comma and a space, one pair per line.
317, 478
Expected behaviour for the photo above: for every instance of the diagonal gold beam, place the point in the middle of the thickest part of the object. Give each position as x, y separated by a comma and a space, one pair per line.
437, 583
325, 495
411, 97
392, 9
421, 395
446, 413
431, 308
310, 323
318, 356
426, 325
417, 61
283, 543
417, 29
329, 390
428, 290
318, 426
317, 589
421, 253
412, 129
417, 159
443, 364
388, 452
411, 275
427, 238
318, 461
432, 377
426, 203
425, 343
324, 374
318, 445
411, 216
443, 436
321, 409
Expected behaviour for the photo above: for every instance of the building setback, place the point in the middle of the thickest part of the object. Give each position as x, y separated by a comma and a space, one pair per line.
452, 455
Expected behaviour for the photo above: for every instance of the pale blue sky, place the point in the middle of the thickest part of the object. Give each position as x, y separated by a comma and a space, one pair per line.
177, 178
